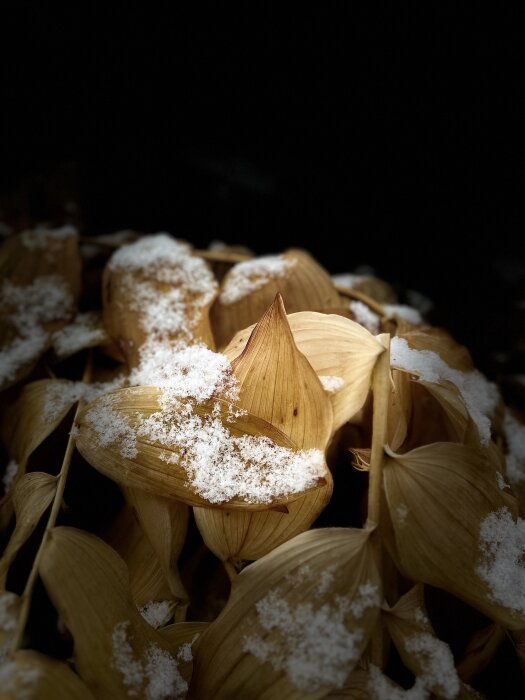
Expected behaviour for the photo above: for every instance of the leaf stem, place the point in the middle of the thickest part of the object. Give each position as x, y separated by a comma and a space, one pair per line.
55, 509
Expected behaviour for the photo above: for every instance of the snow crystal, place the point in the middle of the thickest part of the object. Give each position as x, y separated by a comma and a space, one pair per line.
326, 580
502, 484
382, 688
407, 313
502, 543
11, 471
348, 279
26, 308
84, 331
515, 437
19, 680
365, 316
312, 646
221, 467
158, 668
162, 259
250, 275
8, 611
157, 612
479, 395
437, 663
331, 383
110, 427
367, 597
192, 371
38, 238
62, 395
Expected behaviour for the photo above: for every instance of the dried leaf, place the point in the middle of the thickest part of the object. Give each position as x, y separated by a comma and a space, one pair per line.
146, 579
287, 615
150, 470
399, 410
335, 347
437, 497
278, 384
304, 287
88, 584
181, 637
165, 524
28, 422
480, 651
85, 331
132, 296
441, 342
29, 674
32, 496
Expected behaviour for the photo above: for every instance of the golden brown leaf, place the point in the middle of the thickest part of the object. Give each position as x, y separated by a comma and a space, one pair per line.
287, 614
306, 286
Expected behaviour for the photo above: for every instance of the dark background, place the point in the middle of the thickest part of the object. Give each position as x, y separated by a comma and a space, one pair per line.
386, 136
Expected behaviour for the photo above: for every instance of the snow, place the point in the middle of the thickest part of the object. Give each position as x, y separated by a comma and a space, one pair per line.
250, 275
502, 545
367, 597
311, 645
348, 279
402, 513
365, 316
157, 613
84, 331
407, 313
502, 484
8, 611
158, 669
438, 663
18, 682
39, 238
26, 309
479, 395
110, 426
11, 471
381, 688
514, 432
331, 383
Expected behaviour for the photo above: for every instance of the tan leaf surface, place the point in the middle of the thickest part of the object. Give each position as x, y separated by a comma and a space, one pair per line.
29, 674
305, 287
27, 423
88, 584
148, 470
437, 497
31, 497
334, 346
321, 588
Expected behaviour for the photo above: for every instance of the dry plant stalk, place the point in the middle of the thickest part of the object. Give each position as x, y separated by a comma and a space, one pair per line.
206, 535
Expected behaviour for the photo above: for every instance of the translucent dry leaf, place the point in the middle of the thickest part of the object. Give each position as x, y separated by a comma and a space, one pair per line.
296, 623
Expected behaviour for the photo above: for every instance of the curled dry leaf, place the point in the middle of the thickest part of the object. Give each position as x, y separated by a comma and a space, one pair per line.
437, 497
249, 288
296, 623
165, 524
335, 347
155, 468
146, 579
28, 422
88, 584
29, 674
40, 273
31, 497
480, 651
157, 287
277, 384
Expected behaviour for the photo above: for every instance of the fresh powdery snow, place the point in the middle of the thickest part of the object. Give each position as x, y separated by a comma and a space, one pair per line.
11, 471
365, 316
403, 311
348, 279
84, 331
331, 383
160, 259
157, 670
27, 309
480, 395
157, 613
245, 277
502, 542
311, 645
515, 437
39, 237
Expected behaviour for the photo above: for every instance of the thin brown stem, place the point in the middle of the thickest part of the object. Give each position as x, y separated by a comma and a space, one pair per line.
222, 256
55, 509
361, 296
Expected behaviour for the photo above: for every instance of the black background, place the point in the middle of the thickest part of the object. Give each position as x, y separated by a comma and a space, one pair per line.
387, 136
